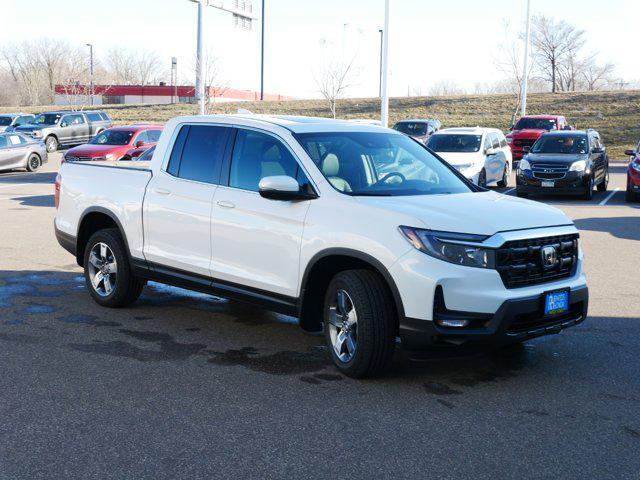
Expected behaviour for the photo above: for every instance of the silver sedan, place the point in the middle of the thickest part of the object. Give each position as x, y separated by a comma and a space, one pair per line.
19, 151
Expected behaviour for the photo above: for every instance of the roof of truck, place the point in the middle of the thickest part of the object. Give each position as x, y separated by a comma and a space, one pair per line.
299, 124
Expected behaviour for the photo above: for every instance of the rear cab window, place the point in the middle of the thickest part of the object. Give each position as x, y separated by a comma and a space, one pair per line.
198, 153
94, 117
104, 117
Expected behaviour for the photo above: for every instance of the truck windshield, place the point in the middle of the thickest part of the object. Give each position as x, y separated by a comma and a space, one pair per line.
379, 164
536, 124
417, 129
454, 143
5, 121
113, 137
563, 144
47, 119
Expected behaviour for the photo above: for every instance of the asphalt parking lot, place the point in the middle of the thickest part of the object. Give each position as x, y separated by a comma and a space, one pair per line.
182, 385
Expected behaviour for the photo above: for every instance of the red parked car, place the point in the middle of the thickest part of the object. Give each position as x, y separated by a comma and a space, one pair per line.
114, 143
633, 175
528, 129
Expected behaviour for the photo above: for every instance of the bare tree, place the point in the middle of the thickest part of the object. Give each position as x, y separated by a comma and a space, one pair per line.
596, 77
334, 80
22, 63
129, 68
444, 88
554, 43
214, 85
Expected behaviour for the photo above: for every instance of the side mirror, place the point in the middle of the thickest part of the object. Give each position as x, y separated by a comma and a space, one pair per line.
598, 150
491, 151
631, 153
283, 187
526, 149
140, 144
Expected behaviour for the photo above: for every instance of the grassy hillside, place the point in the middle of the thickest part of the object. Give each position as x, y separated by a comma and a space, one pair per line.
616, 115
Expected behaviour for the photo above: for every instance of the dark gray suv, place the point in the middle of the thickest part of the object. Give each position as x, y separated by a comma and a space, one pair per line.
559, 162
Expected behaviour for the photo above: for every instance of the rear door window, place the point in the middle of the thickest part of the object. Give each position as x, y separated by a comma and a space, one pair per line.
198, 153
94, 117
104, 117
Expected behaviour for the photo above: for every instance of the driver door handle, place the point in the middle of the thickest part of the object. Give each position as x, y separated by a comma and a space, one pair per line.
162, 191
225, 204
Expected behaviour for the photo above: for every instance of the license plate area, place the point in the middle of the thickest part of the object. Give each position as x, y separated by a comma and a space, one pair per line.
547, 184
556, 303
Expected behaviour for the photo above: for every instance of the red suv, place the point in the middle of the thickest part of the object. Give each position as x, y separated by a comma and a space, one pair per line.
114, 143
528, 129
633, 175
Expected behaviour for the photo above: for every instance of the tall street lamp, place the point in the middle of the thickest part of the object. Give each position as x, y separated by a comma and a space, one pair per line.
90, 73
242, 17
525, 68
384, 101
380, 79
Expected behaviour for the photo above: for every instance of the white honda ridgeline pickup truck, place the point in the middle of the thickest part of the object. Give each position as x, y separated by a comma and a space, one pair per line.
353, 228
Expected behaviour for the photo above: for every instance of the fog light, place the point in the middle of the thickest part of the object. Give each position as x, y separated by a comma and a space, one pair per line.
454, 323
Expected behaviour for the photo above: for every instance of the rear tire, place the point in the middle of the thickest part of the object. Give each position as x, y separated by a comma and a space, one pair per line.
107, 271
482, 178
604, 184
360, 329
34, 162
505, 177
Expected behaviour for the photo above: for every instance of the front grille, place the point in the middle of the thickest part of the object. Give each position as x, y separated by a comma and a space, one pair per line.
71, 158
549, 171
524, 143
519, 262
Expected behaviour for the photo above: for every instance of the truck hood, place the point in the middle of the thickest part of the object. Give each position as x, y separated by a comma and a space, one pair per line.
566, 159
90, 150
31, 128
483, 213
456, 158
527, 133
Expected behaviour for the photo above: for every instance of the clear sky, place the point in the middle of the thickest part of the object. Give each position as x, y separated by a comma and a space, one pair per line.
430, 40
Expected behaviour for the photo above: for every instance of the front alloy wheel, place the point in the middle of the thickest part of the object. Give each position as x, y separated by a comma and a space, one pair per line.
343, 326
52, 144
103, 269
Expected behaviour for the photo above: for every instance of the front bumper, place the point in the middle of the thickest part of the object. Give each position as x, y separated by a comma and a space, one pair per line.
516, 320
571, 183
633, 179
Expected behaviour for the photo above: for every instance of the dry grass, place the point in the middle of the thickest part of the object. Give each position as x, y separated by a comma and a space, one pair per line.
616, 115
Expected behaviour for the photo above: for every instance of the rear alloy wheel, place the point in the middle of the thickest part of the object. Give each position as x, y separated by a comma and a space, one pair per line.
359, 323
482, 179
106, 270
588, 193
505, 177
33, 163
51, 143
602, 186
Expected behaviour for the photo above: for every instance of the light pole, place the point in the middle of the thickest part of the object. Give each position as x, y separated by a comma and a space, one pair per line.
525, 68
90, 73
244, 17
380, 79
384, 101
262, 56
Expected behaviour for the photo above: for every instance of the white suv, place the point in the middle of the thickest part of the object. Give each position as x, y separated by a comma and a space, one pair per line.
480, 154
354, 228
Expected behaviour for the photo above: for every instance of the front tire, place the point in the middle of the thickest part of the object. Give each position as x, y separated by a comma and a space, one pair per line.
359, 323
51, 143
630, 195
482, 178
588, 193
34, 162
107, 271
604, 184
505, 177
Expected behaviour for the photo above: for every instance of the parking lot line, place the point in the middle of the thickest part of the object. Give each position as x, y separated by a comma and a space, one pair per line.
608, 197
506, 192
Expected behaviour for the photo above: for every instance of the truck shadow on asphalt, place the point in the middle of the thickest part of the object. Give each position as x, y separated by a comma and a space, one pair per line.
27, 178
174, 325
36, 201
627, 228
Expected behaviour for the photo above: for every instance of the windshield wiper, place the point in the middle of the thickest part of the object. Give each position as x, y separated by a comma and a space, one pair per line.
370, 194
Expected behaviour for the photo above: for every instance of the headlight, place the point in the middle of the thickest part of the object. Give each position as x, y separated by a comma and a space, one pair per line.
509, 140
578, 166
455, 248
110, 156
524, 165
635, 165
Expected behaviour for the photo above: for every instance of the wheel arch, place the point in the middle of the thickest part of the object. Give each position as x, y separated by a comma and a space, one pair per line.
319, 271
92, 220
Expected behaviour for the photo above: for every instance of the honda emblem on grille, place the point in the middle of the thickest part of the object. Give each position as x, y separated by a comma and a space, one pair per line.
548, 257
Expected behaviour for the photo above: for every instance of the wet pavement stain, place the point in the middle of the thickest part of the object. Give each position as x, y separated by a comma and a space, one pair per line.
631, 431
142, 318
319, 378
34, 309
80, 319
9, 291
536, 413
194, 329
279, 363
44, 279
437, 388
13, 322
19, 338
170, 350
449, 405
